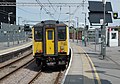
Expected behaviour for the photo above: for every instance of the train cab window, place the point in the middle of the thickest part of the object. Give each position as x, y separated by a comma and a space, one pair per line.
38, 35
50, 34
61, 33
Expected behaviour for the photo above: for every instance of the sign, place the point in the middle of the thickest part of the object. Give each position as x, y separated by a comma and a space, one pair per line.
96, 13
101, 21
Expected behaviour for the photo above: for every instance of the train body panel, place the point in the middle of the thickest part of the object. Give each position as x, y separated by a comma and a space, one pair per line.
50, 42
63, 47
37, 46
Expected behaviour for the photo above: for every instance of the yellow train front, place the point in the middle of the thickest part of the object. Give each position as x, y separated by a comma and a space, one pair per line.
51, 43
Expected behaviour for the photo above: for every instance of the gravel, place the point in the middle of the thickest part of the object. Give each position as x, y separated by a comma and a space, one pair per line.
23, 76
12, 67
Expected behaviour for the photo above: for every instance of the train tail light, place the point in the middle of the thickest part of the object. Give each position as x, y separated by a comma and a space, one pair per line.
39, 51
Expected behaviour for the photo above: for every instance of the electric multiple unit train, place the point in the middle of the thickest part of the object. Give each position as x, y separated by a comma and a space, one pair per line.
51, 43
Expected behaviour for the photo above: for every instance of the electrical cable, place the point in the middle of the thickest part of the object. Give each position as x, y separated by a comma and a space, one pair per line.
27, 11
59, 14
51, 5
40, 4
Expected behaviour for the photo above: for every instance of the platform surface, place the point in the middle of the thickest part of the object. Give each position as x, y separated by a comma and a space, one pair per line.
4, 49
81, 70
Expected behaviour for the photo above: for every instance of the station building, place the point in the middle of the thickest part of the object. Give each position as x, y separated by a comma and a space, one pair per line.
8, 13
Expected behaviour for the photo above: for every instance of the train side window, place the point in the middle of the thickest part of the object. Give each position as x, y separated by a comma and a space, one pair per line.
61, 33
38, 35
50, 34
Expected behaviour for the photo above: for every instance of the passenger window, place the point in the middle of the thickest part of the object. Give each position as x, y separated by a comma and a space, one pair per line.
61, 33
50, 34
38, 35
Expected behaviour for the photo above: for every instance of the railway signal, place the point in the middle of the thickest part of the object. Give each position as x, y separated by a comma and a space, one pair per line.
100, 10
115, 15
27, 27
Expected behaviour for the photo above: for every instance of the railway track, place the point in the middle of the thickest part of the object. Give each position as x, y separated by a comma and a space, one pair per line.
30, 79
39, 74
14, 62
35, 77
58, 77
47, 77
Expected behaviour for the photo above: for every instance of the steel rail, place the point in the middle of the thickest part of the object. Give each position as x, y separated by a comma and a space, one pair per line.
16, 60
2, 78
35, 77
58, 77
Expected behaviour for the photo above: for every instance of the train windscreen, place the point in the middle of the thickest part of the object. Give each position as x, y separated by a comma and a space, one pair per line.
62, 33
38, 34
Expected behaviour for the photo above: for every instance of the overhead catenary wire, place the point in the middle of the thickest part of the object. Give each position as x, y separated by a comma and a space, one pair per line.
38, 1
44, 4
83, 5
51, 5
27, 11
40, 4
79, 7
40, 13
75, 11
55, 10
59, 14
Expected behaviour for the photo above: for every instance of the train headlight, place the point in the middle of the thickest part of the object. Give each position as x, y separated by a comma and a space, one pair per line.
61, 48
37, 51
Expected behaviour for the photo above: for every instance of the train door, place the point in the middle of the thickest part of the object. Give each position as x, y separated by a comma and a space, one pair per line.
50, 42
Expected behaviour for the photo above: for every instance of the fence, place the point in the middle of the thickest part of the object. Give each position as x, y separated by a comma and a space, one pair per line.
12, 33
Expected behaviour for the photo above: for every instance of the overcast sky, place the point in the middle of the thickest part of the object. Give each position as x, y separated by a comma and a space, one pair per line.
36, 14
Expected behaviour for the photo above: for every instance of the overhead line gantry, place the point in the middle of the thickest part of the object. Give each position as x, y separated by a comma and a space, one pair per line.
44, 4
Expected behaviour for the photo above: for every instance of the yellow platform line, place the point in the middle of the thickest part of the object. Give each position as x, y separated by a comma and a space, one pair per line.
93, 66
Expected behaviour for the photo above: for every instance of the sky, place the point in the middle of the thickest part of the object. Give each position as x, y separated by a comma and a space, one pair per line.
29, 13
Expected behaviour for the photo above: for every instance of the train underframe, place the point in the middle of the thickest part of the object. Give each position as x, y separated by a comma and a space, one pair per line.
52, 60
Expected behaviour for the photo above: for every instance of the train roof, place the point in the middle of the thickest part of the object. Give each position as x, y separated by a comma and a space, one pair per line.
48, 22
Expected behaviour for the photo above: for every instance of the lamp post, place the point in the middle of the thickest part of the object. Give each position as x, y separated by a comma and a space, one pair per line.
19, 30
84, 22
8, 37
19, 20
70, 22
84, 31
9, 16
103, 37
77, 27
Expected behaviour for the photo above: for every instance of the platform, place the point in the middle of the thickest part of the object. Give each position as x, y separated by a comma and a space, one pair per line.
5, 50
81, 69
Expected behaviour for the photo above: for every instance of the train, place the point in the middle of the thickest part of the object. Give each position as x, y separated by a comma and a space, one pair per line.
51, 43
